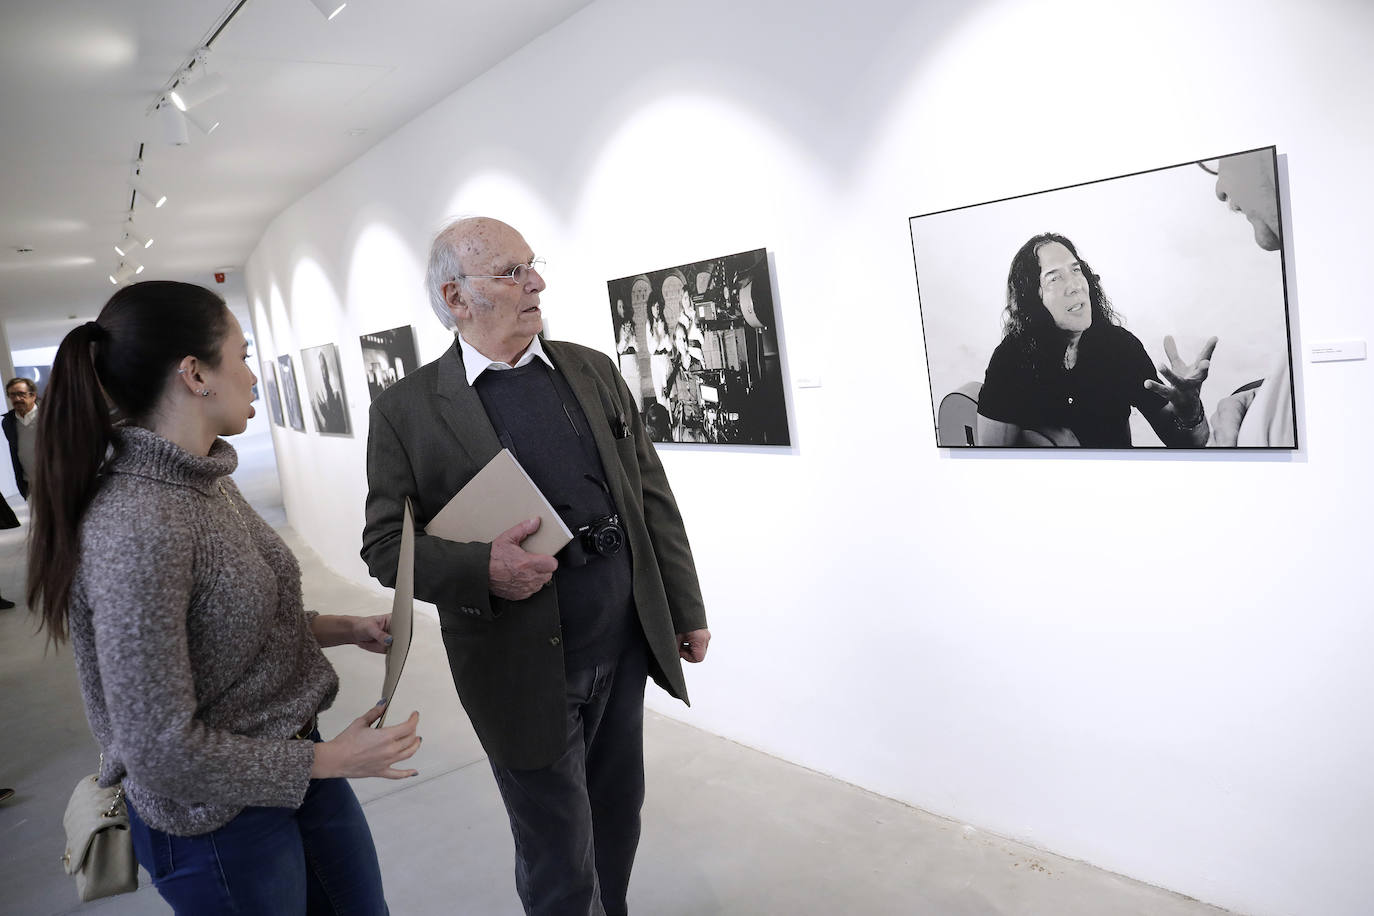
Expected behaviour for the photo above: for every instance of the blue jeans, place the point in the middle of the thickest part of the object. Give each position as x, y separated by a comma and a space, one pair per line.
316, 860
576, 822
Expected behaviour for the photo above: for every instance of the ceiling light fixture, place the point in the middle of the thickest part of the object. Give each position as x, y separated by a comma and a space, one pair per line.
173, 125
132, 241
122, 274
188, 94
329, 8
152, 196
207, 125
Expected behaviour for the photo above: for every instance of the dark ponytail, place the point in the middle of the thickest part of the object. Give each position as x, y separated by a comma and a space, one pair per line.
123, 362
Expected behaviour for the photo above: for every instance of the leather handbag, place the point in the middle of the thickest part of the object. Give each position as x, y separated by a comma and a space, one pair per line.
100, 848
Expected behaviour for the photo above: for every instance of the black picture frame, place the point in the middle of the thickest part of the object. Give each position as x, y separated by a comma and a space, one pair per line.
1165, 257
388, 357
291, 394
324, 386
698, 346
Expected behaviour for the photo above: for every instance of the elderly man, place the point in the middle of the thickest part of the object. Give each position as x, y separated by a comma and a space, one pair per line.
549, 654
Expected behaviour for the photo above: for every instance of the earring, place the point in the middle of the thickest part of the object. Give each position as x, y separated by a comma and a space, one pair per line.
204, 392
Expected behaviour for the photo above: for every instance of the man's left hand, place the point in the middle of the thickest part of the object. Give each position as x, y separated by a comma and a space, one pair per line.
1183, 381
373, 633
691, 647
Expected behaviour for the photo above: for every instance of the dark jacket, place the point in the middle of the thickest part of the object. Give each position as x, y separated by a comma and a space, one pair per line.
10, 423
428, 436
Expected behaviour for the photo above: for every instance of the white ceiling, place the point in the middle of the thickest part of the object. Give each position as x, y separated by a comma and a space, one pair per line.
305, 97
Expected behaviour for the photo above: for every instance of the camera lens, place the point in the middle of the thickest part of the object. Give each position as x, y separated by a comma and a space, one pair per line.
607, 540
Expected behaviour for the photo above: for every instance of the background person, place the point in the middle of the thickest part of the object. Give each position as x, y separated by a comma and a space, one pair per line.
660, 349
1260, 416
549, 655
627, 347
1067, 373
201, 672
20, 424
21, 429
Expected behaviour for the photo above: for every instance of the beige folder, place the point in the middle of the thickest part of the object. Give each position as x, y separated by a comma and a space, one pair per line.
402, 613
500, 496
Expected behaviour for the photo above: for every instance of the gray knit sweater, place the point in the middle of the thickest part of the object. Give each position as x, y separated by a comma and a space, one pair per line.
195, 654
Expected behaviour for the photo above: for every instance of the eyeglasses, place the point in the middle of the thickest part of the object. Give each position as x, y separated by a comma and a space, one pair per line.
517, 274
14, 395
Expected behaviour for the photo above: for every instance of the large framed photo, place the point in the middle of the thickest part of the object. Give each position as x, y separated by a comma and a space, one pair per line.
324, 386
1146, 310
388, 356
269, 381
290, 393
697, 345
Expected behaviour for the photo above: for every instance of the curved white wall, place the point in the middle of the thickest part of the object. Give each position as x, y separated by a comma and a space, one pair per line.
1159, 663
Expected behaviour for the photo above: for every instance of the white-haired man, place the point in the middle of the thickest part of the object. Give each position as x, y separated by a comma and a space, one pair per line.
549, 654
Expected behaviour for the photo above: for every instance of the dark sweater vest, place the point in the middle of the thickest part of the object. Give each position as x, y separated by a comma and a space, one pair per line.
537, 417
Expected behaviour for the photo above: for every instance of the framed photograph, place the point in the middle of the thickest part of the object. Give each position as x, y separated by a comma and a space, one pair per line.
1146, 310
36, 374
290, 393
324, 386
698, 346
387, 357
269, 381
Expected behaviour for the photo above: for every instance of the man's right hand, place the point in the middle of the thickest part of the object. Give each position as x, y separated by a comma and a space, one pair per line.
515, 573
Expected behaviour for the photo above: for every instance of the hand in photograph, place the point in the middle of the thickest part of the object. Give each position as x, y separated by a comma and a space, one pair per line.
1182, 384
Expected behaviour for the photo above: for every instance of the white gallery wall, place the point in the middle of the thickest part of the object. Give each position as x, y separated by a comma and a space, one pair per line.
1157, 662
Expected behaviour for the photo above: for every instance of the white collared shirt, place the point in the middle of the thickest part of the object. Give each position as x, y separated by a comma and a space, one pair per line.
475, 363
28, 418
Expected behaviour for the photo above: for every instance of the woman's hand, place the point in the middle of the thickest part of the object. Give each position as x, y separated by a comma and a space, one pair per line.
373, 633
361, 750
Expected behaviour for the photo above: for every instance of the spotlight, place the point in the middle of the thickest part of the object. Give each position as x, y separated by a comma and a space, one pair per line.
329, 8
189, 94
152, 196
173, 125
207, 125
132, 241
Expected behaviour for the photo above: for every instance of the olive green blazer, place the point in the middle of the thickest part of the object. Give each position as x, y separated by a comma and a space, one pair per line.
428, 435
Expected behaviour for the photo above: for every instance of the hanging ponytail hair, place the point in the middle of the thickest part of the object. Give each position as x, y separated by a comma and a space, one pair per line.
121, 362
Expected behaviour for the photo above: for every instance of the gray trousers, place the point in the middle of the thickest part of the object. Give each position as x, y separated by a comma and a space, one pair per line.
576, 822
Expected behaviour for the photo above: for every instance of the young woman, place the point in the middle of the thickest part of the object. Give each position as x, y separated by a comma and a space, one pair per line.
201, 672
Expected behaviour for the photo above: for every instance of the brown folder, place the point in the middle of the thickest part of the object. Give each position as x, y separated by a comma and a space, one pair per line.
402, 613
493, 502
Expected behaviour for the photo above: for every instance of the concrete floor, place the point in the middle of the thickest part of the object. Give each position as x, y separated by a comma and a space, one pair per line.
726, 829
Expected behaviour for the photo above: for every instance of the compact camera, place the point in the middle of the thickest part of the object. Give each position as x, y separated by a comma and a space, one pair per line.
602, 537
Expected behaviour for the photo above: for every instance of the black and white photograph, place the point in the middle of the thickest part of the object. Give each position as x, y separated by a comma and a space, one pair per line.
269, 381
324, 386
698, 345
290, 393
36, 374
1147, 310
388, 356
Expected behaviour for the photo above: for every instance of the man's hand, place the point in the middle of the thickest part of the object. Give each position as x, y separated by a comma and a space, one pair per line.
1183, 381
515, 573
1230, 412
691, 646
